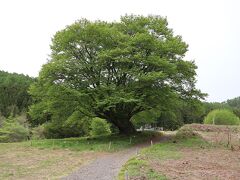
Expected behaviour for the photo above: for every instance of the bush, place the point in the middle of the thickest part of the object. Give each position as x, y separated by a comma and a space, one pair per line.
221, 117
99, 127
12, 131
38, 132
76, 125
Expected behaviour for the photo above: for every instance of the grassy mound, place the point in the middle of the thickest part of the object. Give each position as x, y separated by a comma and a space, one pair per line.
185, 133
221, 117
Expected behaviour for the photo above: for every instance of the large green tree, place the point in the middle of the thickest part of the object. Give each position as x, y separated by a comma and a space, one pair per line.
114, 71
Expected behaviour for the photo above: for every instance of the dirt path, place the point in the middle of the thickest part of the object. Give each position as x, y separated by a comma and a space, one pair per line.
108, 166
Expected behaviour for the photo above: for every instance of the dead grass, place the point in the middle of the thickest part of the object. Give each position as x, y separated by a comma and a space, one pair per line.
204, 164
18, 161
228, 136
212, 128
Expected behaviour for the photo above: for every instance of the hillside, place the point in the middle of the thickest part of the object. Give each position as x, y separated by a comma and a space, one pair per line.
13, 93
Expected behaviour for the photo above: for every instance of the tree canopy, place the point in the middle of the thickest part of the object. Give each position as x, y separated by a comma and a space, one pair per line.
114, 71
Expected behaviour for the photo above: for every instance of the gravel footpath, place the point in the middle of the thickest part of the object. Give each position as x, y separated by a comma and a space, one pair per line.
107, 166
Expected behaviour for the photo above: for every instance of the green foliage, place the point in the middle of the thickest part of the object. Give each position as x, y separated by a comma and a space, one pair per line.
145, 117
170, 120
38, 132
209, 106
236, 112
192, 111
13, 131
113, 71
39, 114
99, 127
231, 104
14, 98
183, 112
221, 117
76, 125
235, 105
139, 169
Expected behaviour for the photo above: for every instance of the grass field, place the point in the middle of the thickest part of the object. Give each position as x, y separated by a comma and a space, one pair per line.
97, 144
54, 158
187, 156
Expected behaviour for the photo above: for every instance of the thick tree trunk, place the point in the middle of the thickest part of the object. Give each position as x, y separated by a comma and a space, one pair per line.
120, 118
124, 126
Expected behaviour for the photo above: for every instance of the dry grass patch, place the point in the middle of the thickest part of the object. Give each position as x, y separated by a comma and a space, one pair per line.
228, 136
18, 161
203, 164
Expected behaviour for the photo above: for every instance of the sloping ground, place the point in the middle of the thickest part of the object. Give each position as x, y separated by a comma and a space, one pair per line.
218, 134
191, 158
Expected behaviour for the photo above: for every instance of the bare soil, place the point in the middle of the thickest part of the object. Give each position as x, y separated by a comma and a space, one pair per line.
221, 162
204, 164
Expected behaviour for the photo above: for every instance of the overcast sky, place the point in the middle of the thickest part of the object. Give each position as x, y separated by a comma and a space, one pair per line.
210, 27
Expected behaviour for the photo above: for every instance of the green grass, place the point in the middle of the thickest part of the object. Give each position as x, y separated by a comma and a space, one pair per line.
137, 167
140, 166
109, 143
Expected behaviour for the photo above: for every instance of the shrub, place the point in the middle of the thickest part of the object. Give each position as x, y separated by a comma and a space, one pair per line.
99, 127
12, 131
221, 117
38, 132
76, 125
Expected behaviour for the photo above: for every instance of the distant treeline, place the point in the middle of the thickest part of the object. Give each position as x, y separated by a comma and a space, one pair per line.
195, 112
14, 97
232, 104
